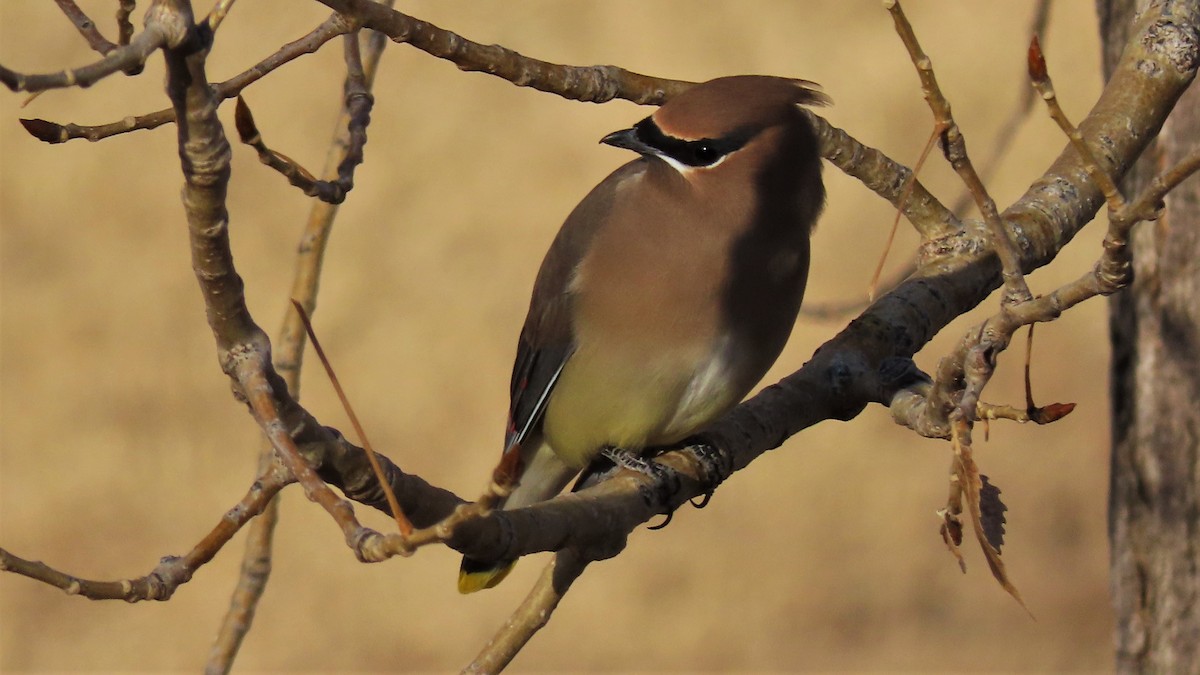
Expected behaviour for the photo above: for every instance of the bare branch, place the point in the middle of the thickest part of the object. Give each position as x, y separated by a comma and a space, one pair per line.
595, 84
358, 104
1001, 145
243, 348
955, 148
965, 373
51, 132
296, 174
879, 173
888, 179
599, 84
172, 571
1113, 270
288, 356
253, 575
1040, 77
86, 27
533, 614
124, 26
217, 14
256, 561
159, 32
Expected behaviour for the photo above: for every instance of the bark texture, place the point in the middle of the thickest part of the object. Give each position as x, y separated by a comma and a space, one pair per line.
1154, 499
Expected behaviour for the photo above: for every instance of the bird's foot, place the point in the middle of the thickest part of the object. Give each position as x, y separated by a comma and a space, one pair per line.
664, 479
715, 464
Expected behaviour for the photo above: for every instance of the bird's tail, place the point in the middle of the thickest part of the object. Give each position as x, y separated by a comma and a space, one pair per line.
475, 575
544, 476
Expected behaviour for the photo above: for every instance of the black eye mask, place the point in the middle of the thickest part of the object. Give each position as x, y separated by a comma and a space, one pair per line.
702, 152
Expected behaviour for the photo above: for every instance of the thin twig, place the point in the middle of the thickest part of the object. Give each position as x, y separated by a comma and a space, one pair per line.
124, 25
1040, 77
1001, 145
402, 523
1028, 369
131, 56
595, 84
251, 378
955, 148
904, 197
253, 575
1002, 141
172, 571
358, 104
291, 169
218, 13
86, 27
52, 132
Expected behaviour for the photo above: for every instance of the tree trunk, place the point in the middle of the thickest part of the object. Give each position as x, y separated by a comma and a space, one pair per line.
1154, 498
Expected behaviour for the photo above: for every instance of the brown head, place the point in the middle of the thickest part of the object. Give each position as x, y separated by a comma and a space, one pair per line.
742, 131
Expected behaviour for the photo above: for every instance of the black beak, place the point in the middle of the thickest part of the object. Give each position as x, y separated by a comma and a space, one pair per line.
628, 139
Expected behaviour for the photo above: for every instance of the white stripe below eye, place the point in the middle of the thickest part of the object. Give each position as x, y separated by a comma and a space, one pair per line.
684, 169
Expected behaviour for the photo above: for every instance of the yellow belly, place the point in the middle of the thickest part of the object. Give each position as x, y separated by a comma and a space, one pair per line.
634, 400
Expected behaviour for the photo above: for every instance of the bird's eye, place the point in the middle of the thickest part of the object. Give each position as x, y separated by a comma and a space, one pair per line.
705, 153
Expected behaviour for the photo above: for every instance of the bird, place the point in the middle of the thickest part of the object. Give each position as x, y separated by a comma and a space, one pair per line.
670, 289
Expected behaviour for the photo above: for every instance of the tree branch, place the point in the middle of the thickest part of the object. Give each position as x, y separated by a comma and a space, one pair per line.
86, 27
171, 571
130, 57
52, 132
857, 367
289, 352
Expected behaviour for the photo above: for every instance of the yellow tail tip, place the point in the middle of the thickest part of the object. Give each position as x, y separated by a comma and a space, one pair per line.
473, 577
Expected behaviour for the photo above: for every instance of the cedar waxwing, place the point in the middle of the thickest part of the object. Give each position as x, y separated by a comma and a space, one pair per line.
671, 288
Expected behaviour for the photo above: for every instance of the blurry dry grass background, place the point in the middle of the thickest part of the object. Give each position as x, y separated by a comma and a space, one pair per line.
119, 441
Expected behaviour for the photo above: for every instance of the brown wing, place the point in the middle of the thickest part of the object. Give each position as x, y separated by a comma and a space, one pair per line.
547, 338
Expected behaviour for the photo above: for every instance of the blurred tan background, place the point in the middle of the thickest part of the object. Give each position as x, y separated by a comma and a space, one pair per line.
119, 442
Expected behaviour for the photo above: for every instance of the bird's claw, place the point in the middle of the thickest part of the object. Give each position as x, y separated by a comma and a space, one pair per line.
664, 479
716, 465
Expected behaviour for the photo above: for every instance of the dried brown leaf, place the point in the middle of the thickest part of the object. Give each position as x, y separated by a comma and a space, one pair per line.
992, 510
972, 487
951, 531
